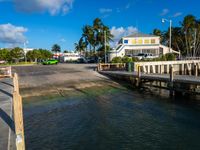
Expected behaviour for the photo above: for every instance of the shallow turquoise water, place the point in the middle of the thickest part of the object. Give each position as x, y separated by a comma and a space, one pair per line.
115, 119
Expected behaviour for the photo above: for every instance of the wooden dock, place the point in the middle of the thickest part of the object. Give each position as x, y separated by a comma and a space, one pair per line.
156, 77
175, 76
11, 114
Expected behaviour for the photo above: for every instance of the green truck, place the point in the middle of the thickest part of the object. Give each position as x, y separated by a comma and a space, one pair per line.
50, 62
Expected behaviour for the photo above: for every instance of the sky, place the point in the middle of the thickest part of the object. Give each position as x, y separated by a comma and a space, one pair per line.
42, 23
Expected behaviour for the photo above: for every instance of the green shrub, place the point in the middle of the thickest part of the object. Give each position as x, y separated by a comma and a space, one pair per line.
170, 57
127, 59
135, 59
116, 60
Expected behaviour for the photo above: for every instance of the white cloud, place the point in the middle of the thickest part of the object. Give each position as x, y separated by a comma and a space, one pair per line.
177, 14
164, 12
62, 40
11, 34
51, 6
105, 10
120, 32
128, 6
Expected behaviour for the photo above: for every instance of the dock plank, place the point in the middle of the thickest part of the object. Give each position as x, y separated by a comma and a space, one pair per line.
188, 79
7, 135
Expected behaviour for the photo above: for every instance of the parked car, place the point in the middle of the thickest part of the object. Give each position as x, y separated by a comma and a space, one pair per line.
150, 56
82, 60
50, 62
141, 56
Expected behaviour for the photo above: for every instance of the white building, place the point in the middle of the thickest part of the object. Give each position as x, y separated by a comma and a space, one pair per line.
70, 57
137, 43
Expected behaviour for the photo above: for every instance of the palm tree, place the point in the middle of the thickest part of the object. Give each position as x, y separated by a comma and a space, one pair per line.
56, 48
100, 30
80, 46
188, 26
159, 33
88, 36
185, 38
93, 36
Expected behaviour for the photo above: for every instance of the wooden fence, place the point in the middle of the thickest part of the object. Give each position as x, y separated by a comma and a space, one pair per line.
5, 72
18, 115
111, 67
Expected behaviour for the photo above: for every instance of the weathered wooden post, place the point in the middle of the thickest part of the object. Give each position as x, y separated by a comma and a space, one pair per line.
171, 70
98, 67
171, 84
9, 71
138, 76
18, 115
195, 70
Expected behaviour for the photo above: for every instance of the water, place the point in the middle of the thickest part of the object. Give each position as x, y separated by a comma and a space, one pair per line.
111, 119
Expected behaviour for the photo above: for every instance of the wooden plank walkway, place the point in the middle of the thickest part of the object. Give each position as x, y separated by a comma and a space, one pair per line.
188, 79
7, 134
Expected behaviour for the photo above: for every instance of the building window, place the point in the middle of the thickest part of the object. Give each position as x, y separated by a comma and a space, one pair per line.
151, 51
134, 41
125, 41
140, 41
146, 41
153, 41
132, 52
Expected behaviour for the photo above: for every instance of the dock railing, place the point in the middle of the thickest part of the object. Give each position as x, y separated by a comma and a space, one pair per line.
111, 67
5, 72
18, 115
184, 67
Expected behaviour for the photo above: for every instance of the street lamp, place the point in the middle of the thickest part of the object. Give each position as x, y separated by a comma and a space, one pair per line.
25, 50
105, 45
170, 32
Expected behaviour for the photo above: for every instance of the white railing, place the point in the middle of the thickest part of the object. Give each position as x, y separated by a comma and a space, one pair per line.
5, 72
163, 66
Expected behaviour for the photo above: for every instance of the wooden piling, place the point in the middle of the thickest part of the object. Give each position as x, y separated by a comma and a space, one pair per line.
171, 71
195, 70
18, 115
138, 77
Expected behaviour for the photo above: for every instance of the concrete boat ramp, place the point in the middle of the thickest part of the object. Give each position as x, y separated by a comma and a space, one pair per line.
7, 133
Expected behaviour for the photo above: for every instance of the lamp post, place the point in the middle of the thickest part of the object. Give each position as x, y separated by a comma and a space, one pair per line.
170, 32
25, 50
105, 45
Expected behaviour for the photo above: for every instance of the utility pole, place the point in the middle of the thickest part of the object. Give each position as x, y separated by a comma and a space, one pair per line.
170, 32
25, 51
170, 39
195, 38
105, 45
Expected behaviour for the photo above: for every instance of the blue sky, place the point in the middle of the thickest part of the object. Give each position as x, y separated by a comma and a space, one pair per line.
45, 22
